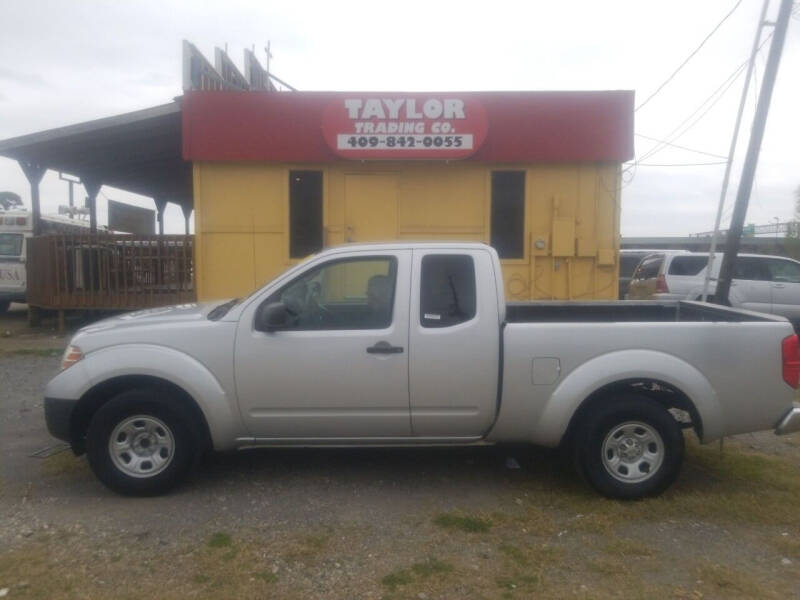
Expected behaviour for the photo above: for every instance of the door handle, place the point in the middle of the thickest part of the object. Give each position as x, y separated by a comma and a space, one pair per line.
778, 285
384, 348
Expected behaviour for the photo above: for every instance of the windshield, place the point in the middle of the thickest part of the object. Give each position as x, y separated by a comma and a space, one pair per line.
11, 244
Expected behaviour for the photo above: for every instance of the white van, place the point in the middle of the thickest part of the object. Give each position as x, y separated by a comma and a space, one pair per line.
768, 284
16, 226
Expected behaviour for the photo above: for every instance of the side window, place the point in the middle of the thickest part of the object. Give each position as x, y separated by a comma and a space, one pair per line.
447, 292
356, 293
508, 213
649, 267
688, 265
751, 269
784, 271
305, 213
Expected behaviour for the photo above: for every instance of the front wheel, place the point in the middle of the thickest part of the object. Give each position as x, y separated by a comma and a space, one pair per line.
630, 448
139, 444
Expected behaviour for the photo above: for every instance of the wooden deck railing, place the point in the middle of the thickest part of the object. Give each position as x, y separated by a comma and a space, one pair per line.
110, 271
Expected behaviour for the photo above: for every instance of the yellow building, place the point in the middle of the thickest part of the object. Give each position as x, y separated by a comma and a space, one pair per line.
277, 176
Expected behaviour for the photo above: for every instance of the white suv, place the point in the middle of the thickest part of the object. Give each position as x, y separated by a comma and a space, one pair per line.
769, 284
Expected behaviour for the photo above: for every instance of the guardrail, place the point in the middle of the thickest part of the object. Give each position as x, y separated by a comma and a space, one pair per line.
109, 271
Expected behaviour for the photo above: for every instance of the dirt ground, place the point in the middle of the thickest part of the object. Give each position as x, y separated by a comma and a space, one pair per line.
366, 523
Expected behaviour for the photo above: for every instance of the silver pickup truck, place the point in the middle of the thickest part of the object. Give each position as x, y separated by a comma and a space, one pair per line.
414, 344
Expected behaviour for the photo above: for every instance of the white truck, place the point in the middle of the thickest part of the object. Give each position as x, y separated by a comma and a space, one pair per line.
414, 344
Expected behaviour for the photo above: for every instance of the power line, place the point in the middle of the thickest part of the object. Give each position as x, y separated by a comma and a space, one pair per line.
688, 58
716, 96
647, 137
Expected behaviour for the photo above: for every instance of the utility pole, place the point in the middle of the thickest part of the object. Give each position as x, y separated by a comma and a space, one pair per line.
753, 148
731, 151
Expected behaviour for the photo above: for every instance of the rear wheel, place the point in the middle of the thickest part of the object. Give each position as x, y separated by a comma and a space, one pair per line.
629, 448
139, 443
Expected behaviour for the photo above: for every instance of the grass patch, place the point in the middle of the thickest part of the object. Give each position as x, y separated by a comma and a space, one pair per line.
514, 553
432, 566
727, 581
220, 540
788, 546
307, 546
628, 548
462, 523
517, 581
267, 576
397, 578
606, 566
421, 570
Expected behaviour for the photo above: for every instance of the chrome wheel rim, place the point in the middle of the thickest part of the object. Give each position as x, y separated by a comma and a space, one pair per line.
633, 452
141, 446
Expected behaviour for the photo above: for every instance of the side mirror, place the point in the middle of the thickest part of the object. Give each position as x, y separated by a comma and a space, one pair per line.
272, 317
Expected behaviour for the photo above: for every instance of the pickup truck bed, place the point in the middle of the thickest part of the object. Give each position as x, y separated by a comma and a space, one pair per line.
603, 312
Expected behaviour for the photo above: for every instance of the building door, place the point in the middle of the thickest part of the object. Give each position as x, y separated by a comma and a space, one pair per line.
370, 210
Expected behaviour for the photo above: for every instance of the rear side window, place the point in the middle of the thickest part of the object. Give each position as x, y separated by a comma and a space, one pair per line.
447, 290
751, 268
628, 264
649, 267
687, 265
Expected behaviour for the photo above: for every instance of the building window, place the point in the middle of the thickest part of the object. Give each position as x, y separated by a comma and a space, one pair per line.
508, 213
305, 213
447, 290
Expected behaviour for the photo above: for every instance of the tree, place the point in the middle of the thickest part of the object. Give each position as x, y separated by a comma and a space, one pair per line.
794, 228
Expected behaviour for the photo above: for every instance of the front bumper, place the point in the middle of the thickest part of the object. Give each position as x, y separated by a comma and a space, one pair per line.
790, 422
58, 415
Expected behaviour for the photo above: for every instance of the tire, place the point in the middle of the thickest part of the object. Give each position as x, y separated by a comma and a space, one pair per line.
154, 447
629, 448
4, 306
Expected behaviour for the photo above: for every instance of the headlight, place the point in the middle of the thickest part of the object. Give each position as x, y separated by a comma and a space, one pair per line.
71, 355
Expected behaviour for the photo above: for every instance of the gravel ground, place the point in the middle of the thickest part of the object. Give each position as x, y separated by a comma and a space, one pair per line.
411, 523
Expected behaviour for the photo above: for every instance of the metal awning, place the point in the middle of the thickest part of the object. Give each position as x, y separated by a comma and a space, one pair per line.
138, 152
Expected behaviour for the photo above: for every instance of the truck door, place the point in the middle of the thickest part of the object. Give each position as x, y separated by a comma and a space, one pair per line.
750, 287
454, 333
340, 369
785, 283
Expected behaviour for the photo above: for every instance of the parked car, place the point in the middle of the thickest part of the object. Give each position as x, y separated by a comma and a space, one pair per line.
413, 344
769, 284
629, 259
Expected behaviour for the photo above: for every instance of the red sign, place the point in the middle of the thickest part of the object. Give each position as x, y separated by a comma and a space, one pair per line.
404, 126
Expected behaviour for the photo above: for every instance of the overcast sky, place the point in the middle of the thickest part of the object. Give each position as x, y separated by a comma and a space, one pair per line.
66, 62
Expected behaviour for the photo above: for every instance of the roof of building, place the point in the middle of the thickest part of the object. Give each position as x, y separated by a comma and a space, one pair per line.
138, 151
